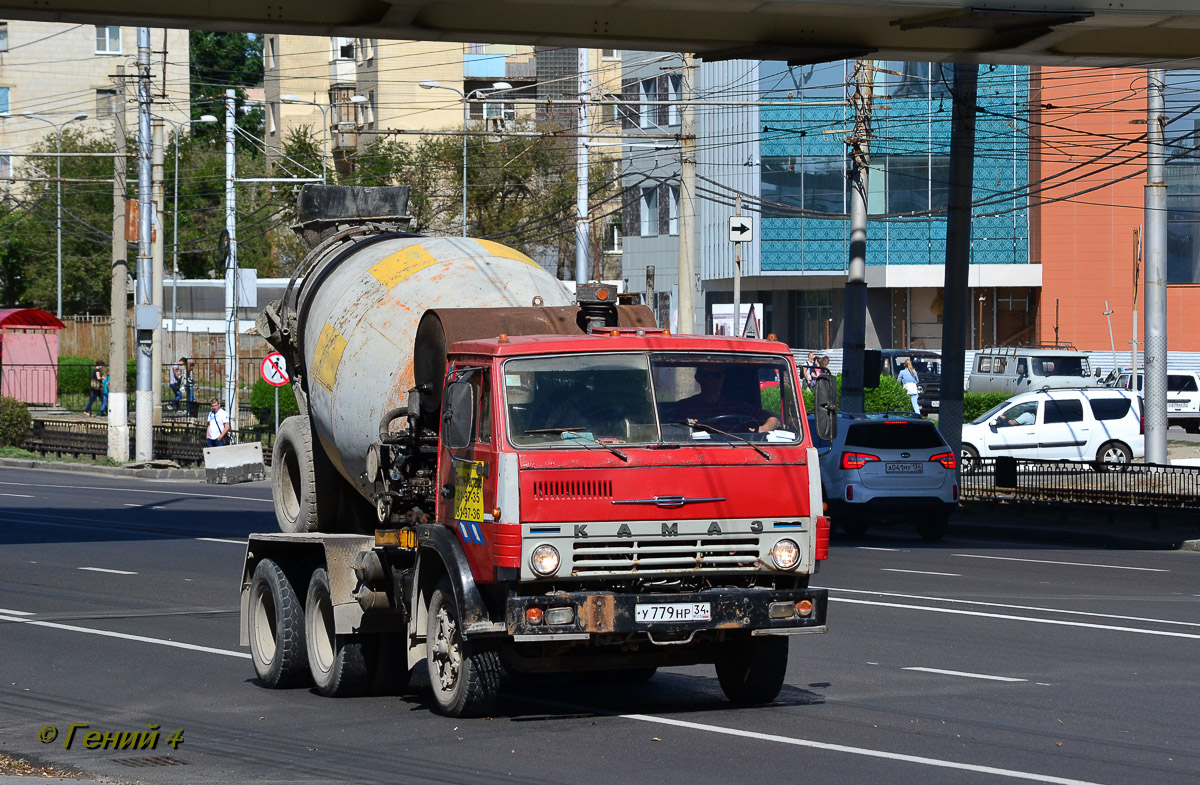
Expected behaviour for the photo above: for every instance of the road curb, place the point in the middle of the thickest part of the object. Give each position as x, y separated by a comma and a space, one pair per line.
179, 475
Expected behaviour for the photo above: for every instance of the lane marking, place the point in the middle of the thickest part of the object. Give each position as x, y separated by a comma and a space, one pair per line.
218, 539
103, 569
139, 490
1064, 563
872, 548
16, 613
1030, 619
1019, 607
964, 674
19, 495
863, 751
922, 572
126, 636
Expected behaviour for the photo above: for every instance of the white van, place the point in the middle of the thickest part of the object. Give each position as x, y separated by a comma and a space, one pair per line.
1017, 369
1102, 424
1183, 396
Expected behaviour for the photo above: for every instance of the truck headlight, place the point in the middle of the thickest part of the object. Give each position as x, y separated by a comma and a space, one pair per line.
544, 560
785, 554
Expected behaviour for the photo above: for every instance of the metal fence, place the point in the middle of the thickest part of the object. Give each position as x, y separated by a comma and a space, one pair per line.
182, 443
1078, 482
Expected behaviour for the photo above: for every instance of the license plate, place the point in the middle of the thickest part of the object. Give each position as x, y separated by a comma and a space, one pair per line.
934, 404
905, 468
672, 611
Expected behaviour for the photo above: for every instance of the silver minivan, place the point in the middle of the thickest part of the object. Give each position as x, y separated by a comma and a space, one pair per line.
1017, 369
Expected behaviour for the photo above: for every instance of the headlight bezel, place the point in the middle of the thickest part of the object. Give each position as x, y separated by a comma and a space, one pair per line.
781, 562
544, 550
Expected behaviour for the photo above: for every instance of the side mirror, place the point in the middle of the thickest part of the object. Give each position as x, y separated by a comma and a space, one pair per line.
458, 415
825, 407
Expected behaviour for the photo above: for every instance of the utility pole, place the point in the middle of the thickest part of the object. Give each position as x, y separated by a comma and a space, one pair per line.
146, 318
687, 199
854, 334
231, 264
118, 397
958, 252
1137, 278
1156, 271
737, 275
581, 172
156, 177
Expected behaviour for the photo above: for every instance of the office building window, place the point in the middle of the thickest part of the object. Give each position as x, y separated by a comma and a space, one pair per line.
675, 93
812, 183
269, 51
3, 36
5, 165
610, 54
813, 328
272, 118
341, 48
106, 102
648, 91
673, 216
3, 100
649, 211
108, 40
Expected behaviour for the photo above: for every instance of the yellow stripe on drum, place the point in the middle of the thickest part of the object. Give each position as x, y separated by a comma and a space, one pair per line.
328, 356
402, 265
504, 252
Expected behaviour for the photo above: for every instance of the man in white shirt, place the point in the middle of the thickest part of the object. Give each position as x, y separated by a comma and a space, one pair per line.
218, 424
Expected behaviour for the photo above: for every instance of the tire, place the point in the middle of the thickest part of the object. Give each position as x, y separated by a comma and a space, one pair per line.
751, 671
304, 484
933, 528
1113, 456
969, 459
337, 663
1191, 426
465, 676
275, 626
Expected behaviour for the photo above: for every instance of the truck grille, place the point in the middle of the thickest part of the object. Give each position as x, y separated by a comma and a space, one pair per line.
664, 554
569, 490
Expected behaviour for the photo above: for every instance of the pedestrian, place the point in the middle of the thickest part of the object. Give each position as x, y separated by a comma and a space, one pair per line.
218, 424
177, 381
104, 394
908, 378
96, 384
806, 370
189, 385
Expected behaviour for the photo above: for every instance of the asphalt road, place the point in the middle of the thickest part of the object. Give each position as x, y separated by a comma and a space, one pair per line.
970, 661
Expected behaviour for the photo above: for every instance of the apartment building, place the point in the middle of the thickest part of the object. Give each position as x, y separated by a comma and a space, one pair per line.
59, 72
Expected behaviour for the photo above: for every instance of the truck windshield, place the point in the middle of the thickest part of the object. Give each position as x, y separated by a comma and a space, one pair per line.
641, 398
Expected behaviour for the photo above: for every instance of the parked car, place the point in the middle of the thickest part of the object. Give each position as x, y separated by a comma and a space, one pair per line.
1098, 424
1011, 370
928, 365
1183, 396
888, 467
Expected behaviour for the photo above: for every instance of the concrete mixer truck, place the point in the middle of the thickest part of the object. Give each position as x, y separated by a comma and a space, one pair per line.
491, 478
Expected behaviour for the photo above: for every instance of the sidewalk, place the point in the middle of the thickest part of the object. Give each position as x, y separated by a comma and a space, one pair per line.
141, 472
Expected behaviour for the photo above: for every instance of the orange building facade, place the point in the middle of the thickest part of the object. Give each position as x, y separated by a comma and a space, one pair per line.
1087, 178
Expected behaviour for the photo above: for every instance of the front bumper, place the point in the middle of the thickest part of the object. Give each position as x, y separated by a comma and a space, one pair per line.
605, 613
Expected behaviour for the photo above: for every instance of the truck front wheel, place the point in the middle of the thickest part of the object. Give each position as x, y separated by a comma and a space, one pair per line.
276, 628
751, 670
338, 663
464, 674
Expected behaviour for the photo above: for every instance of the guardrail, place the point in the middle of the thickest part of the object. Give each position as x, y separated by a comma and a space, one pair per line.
1078, 482
182, 443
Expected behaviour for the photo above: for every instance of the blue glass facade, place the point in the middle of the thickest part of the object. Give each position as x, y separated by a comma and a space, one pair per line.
804, 162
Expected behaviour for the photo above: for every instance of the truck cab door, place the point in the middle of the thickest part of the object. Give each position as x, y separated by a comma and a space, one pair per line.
467, 477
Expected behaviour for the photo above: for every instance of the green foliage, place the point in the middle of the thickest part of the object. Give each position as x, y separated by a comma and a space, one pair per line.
771, 400
889, 396
975, 404
15, 422
262, 401
219, 61
74, 374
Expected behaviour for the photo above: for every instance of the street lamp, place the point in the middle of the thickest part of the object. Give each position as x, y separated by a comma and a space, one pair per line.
295, 99
58, 129
430, 84
205, 118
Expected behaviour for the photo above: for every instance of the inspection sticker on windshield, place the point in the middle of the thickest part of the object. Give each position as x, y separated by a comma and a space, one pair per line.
672, 611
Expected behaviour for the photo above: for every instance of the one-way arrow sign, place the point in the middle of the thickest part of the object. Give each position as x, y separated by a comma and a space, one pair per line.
741, 229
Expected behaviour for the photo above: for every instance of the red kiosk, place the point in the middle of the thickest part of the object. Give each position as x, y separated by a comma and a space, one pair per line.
29, 355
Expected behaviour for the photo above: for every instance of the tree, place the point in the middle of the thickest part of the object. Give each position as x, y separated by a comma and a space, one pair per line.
220, 61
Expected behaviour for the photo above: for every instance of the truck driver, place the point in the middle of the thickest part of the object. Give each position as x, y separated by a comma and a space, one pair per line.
711, 407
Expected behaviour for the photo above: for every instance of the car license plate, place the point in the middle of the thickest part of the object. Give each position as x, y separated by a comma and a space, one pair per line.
934, 404
672, 611
905, 468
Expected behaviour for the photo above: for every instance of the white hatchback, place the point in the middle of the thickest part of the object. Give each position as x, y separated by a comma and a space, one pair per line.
1100, 424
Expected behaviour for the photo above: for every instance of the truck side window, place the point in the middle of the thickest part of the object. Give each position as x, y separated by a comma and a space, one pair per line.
483, 392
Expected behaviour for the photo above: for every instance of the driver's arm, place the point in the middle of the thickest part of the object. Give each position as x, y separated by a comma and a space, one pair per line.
771, 424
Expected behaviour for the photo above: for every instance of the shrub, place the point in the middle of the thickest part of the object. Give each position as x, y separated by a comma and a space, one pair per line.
15, 422
262, 401
889, 396
74, 374
975, 404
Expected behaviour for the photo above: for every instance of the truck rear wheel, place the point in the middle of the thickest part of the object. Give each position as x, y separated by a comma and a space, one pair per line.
276, 628
464, 674
303, 482
751, 670
338, 663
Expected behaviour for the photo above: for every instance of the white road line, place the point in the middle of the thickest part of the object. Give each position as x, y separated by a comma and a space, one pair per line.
16, 613
18, 495
871, 548
127, 504
922, 572
1030, 619
964, 674
102, 569
126, 636
863, 751
1019, 607
218, 539
1064, 563
138, 490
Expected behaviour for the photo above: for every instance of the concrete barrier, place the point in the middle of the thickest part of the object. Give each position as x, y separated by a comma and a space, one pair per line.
234, 463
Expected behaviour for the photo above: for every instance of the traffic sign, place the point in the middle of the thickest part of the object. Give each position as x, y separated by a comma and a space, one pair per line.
274, 370
741, 228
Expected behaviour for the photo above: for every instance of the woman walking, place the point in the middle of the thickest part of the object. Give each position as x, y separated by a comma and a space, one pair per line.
908, 377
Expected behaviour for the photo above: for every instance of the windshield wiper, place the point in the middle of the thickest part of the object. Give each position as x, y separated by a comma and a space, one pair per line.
710, 429
554, 430
567, 432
